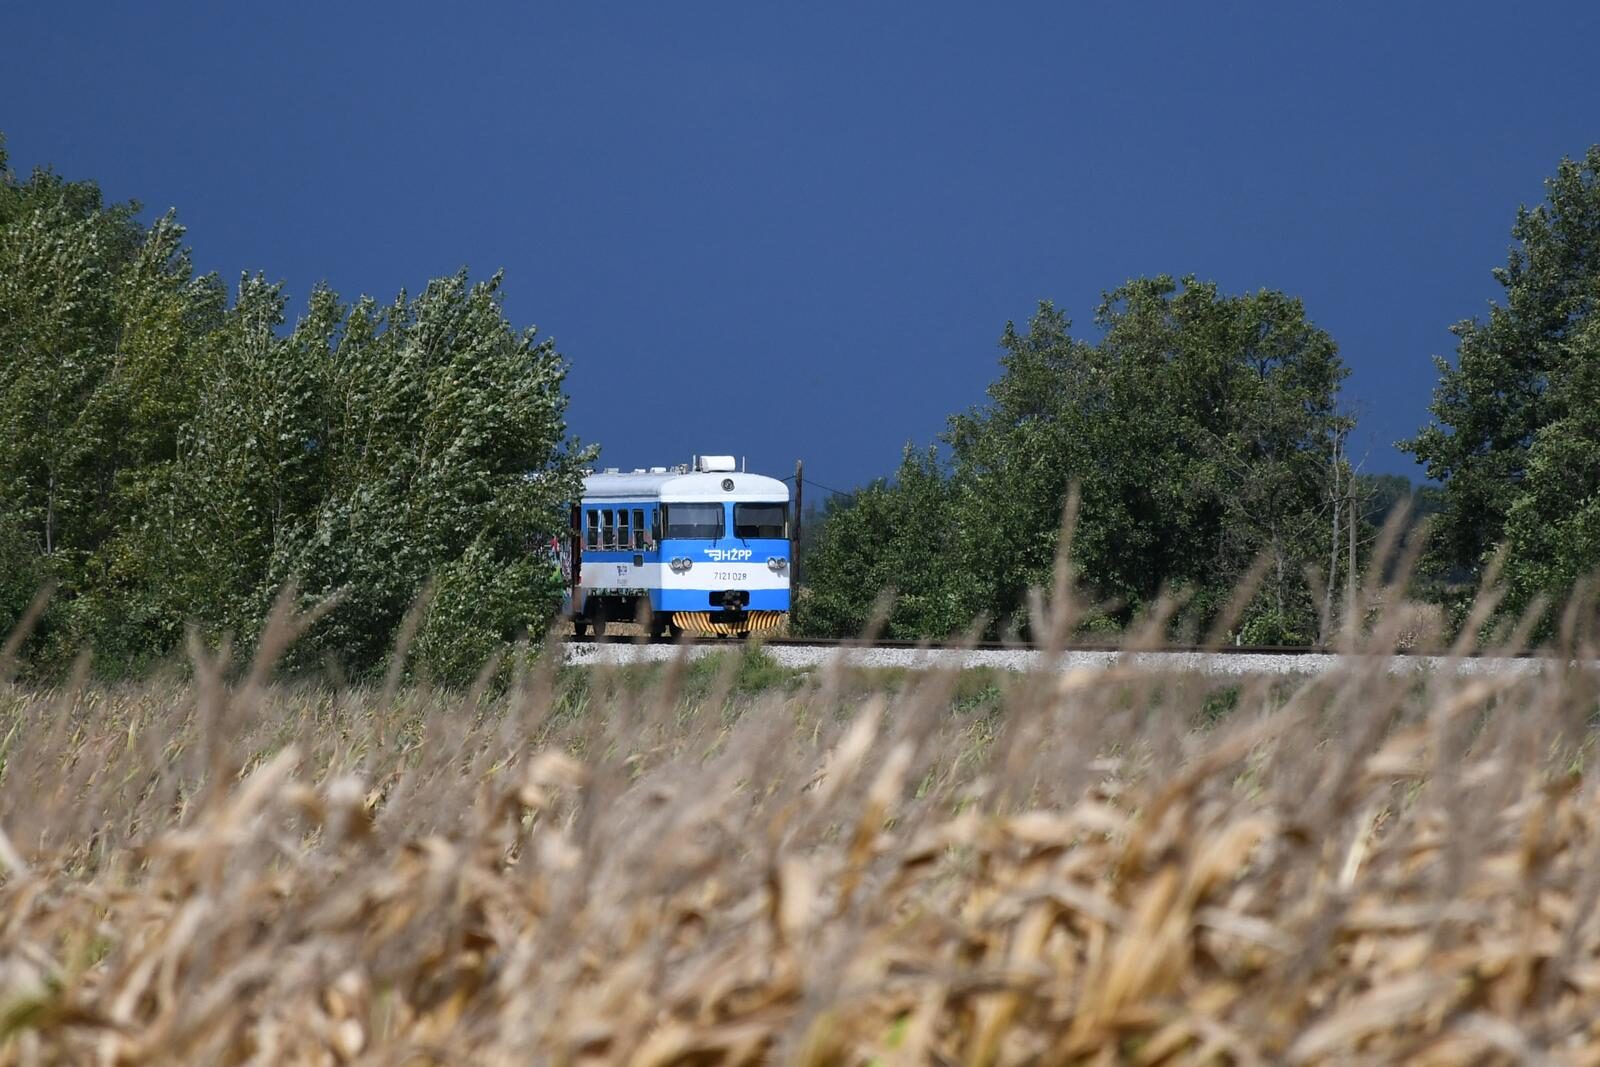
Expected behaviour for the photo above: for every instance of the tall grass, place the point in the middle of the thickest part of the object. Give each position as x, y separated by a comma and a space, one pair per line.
681, 867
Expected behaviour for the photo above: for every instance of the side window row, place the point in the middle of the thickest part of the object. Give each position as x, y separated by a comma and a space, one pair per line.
617, 528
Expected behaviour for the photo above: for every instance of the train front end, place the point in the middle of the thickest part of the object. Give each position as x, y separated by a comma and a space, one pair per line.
725, 552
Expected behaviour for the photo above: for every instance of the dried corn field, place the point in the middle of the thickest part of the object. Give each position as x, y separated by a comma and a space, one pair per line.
669, 867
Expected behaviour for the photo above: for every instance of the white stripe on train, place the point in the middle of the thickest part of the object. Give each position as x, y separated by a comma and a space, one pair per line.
702, 577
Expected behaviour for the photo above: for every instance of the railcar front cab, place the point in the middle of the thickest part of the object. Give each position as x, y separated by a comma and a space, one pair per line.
702, 551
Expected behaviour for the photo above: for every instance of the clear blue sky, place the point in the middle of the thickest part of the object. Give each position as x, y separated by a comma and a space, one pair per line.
798, 230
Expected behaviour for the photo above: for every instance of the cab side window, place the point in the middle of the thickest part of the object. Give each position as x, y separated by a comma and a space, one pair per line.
638, 528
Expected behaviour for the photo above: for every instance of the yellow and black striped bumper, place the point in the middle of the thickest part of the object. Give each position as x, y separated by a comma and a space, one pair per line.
750, 622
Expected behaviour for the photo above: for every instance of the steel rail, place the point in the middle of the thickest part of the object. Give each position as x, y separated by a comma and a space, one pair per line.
1002, 646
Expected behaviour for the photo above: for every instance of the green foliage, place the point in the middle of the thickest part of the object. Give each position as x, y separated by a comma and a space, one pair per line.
899, 537
1217, 705
364, 452
1378, 495
1553, 527
1201, 430
98, 321
22, 570
756, 672
478, 601
1270, 626
1513, 436
169, 459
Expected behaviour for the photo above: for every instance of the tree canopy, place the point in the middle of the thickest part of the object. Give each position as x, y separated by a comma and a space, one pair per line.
176, 453
1202, 430
167, 456
1514, 437
899, 536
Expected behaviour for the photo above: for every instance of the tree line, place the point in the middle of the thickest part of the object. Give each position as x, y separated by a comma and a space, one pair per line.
1206, 437
171, 454
174, 454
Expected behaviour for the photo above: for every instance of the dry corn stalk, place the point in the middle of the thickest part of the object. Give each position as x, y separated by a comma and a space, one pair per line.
1362, 870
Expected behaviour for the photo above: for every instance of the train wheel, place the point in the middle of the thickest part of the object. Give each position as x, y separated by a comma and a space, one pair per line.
598, 621
580, 626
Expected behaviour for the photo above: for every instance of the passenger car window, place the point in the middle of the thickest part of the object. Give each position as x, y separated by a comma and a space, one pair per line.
624, 531
608, 528
701, 521
761, 520
592, 534
638, 528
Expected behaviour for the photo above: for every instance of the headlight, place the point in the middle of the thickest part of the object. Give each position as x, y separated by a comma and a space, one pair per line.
778, 563
680, 565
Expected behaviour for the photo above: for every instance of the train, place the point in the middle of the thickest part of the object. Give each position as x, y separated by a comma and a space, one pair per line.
700, 548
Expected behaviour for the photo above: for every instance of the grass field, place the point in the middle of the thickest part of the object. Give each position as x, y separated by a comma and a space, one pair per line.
730, 863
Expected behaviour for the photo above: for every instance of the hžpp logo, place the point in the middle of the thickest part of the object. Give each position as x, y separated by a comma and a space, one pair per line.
729, 555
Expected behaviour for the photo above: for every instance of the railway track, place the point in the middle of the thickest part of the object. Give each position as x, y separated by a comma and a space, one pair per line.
1002, 646
1231, 660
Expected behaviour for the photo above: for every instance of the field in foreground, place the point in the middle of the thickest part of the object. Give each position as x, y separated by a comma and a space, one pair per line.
726, 863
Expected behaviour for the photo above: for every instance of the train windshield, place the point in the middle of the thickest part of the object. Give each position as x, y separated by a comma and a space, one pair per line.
761, 520
698, 521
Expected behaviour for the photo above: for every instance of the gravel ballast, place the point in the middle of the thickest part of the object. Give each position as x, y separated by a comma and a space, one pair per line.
1220, 663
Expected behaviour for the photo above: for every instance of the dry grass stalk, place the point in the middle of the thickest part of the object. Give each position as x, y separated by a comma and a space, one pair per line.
1363, 868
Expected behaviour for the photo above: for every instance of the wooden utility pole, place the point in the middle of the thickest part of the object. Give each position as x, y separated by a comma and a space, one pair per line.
1350, 560
1335, 500
799, 519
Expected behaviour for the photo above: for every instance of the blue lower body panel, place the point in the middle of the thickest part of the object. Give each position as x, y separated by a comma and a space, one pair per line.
700, 599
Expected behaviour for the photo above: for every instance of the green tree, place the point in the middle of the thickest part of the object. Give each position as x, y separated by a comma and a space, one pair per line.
447, 437
247, 469
167, 459
1515, 378
97, 316
59, 254
1553, 527
364, 452
1201, 430
895, 536
1015, 458
1380, 494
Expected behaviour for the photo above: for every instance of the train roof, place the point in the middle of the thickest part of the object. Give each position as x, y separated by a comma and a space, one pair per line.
683, 486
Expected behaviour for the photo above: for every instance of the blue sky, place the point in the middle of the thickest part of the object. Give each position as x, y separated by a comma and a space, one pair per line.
798, 230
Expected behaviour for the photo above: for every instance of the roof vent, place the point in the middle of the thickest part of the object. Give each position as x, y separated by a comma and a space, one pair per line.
711, 464
658, 470
613, 470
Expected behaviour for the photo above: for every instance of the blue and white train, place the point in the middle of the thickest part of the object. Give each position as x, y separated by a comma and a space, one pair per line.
699, 549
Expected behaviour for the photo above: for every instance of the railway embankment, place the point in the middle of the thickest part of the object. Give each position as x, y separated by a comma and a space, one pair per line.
796, 654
